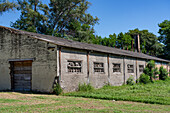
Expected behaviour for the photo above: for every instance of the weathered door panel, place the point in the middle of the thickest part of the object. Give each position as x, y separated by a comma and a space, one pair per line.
21, 74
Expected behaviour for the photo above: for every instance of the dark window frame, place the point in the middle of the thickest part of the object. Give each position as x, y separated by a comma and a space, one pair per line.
117, 67
130, 68
98, 67
141, 68
74, 66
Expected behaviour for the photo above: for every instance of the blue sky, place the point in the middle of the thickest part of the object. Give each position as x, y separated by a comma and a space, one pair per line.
118, 15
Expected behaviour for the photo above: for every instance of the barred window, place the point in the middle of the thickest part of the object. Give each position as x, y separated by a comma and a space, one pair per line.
141, 68
74, 66
130, 68
116, 68
98, 67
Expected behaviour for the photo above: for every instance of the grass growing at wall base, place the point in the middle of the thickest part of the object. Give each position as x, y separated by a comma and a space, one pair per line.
154, 93
85, 87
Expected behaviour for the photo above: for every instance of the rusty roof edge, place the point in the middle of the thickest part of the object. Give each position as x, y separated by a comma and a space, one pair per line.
97, 49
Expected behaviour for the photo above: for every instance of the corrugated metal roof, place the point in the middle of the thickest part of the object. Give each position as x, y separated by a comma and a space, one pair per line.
85, 46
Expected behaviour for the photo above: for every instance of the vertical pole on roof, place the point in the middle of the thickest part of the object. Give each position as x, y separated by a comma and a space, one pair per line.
88, 81
138, 43
108, 68
132, 45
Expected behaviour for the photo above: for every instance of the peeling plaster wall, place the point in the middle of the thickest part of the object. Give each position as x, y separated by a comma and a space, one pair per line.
131, 61
140, 62
98, 79
70, 81
116, 78
44, 67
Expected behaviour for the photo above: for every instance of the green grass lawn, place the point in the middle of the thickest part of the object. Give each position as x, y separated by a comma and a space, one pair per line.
154, 93
38, 103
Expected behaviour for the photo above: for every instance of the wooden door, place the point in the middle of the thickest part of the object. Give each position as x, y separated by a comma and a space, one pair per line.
21, 74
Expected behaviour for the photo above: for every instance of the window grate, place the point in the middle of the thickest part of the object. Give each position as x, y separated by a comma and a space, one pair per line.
116, 68
130, 68
98, 67
141, 68
74, 66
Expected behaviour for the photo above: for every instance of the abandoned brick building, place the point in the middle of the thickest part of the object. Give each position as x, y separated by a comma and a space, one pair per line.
30, 61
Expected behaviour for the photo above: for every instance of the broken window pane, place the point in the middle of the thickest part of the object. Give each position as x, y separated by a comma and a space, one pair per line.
116, 68
98, 67
130, 68
74, 66
141, 68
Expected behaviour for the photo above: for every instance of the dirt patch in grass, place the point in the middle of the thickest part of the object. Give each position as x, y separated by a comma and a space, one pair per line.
52, 103
9, 96
28, 99
90, 106
28, 103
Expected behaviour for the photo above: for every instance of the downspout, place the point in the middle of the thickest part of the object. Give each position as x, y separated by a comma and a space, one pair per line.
108, 68
59, 66
88, 79
136, 69
124, 69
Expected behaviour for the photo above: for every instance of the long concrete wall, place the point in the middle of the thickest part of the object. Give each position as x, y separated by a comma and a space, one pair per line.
44, 66
51, 61
98, 79
70, 81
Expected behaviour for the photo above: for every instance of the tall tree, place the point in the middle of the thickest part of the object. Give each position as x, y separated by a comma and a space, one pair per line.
110, 41
33, 16
5, 5
164, 38
124, 41
66, 18
69, 18
96, 39
148, 42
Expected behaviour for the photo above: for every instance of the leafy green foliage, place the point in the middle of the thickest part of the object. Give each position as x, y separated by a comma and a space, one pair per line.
124, 41
57, 89
34, 16
163, 73
130, 81
5, 5
155, 72
85, 87
69, 19
148, 42
110, 41
63, 18
154, 93
164, 32
151, 70
144, 78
